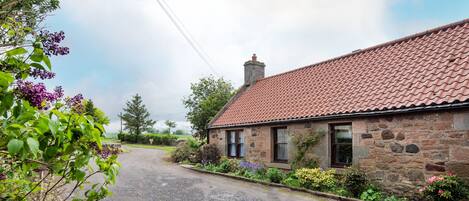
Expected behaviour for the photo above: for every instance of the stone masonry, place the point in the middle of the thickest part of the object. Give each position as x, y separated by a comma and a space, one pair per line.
397, 151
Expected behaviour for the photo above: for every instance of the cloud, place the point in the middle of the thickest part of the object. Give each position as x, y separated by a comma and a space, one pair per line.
142, 52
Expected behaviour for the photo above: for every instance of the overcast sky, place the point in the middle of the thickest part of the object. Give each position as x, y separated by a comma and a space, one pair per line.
123, 47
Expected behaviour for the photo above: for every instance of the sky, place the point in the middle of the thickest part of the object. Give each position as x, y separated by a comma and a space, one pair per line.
122, 47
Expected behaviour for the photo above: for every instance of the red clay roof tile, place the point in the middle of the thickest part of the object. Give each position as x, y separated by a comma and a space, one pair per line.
424, 69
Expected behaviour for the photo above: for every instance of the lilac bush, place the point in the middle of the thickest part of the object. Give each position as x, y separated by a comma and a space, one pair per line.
37, 94
42, 74
50, 43
75, 103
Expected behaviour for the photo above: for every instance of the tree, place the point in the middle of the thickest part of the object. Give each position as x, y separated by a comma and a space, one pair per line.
46, 141
29, 13
97, 114
179, 132
208, 96
136, 117
170, 124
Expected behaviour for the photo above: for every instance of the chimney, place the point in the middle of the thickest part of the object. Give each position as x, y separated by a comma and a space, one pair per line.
253, 71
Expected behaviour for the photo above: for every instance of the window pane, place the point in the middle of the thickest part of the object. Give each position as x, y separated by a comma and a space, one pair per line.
344, 154
343, 134
241, 151
241, 137
282, 152
232, 150
282, 135
232, 137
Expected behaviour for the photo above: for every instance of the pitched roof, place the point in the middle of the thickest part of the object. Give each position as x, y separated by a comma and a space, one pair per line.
429, 68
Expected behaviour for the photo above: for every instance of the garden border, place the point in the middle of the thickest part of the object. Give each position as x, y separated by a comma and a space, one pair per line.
317, 193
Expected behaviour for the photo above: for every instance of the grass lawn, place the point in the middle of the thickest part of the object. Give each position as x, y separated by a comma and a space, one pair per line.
110, 140
167, 149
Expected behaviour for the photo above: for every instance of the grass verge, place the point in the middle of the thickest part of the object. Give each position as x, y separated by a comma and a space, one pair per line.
167, 149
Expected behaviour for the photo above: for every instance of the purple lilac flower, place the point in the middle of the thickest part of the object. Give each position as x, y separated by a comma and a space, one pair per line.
37, 94
43, 74
50, 43
76, 103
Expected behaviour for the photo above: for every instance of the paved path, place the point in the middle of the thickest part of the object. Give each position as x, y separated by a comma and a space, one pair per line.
146, 176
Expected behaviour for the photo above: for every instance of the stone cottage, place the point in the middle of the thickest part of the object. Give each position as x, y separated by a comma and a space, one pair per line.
398, 110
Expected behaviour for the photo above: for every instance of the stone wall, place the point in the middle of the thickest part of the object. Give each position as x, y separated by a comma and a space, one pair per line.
397, 151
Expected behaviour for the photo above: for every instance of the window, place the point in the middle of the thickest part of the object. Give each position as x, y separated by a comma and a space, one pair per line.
235, 142
341, 145
280, 139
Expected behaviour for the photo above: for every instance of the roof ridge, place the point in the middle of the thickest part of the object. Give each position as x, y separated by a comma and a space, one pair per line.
385, 44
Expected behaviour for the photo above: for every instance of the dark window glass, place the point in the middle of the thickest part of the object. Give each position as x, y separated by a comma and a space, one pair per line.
235, 143
341, 137
280, 139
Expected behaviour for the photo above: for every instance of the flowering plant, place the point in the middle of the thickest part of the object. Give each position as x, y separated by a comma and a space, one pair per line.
253, 167
46, 142
445, 188
316, 179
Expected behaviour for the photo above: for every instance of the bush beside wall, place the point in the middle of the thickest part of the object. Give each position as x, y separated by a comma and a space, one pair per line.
156, 139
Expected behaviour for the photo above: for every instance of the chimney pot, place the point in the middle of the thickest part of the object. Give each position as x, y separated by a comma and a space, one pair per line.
253, 70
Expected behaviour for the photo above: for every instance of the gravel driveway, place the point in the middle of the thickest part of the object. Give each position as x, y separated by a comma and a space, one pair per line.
146, 176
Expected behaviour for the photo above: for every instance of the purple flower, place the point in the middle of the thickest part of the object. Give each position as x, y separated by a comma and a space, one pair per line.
50, 43
250, 166
43, 74
76, 103
37, 94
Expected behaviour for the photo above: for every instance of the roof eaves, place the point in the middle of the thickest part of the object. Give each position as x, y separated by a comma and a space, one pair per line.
352, 115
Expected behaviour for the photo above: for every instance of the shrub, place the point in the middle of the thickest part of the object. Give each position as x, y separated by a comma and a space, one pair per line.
186, 151
156, 139
316, 179
372, 193
355, 181
443, 188
275, 175
228, 165
291, 180
210, 153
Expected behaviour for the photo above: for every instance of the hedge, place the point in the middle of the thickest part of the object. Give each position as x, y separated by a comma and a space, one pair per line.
158, 139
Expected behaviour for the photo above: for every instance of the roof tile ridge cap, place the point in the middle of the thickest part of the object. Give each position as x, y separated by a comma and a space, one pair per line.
233, 99
385, 44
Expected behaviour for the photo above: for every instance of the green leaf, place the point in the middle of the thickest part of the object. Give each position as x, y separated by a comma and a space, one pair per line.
5, 79
36, 57
33, 145
7, 102
14, 146
16, 51
42, 125
38, 65
46, 60
54, 127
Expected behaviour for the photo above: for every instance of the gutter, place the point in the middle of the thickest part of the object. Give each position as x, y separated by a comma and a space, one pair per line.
450, 106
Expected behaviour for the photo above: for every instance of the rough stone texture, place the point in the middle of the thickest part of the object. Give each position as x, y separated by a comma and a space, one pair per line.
412, 148
400, 136
435, 167
424, 144
396, 147
387, 134
366, 136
